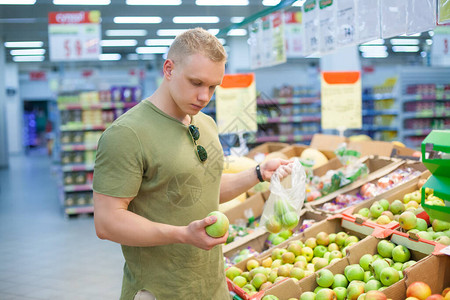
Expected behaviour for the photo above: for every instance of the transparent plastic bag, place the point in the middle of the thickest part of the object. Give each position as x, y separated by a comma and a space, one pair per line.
282, 209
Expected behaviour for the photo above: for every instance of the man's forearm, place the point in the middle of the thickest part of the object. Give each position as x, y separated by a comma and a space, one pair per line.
232, 185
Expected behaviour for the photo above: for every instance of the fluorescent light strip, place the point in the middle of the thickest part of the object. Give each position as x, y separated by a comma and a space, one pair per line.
221, 2
405, 48
299, 3
17, 2
405, 41
194, 20
28, 52
110, 56
153, 2
138, 20
169, 32
126, 32
414, 34
237, 20
368, 48
158, 42
81, 2
34, 44
222, 41
374, 42
28, 58
151, 50
118, 43
375, 55
237, 32
213, 31
270, 2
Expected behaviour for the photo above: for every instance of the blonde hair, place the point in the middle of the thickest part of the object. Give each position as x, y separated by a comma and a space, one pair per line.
195, 41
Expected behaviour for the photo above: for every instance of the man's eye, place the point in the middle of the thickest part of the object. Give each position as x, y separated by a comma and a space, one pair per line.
197, 83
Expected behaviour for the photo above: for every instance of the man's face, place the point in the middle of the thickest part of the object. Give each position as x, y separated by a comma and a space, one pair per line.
193, 81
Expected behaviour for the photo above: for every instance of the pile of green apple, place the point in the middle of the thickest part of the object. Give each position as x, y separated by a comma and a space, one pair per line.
373, 273
438, 231
284, 217
298, 260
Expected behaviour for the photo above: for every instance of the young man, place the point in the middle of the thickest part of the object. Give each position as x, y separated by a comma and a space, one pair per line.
156, 179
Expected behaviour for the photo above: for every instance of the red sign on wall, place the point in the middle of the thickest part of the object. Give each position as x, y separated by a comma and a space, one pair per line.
37, 75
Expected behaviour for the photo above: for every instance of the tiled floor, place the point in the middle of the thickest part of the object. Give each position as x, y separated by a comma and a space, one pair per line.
44, 255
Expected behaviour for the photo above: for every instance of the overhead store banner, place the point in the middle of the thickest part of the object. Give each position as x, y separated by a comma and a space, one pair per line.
421, 16
444, 12
327, 17
440, 49
294, 34
368, 20
267, 42
236, 104
393, 18
74, 36
341, 100
346, 22
311, 24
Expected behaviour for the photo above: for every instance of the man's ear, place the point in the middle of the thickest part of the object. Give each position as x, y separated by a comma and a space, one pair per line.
168, 68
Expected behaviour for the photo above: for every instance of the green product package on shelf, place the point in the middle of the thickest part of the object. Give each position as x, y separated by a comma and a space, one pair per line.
436, 157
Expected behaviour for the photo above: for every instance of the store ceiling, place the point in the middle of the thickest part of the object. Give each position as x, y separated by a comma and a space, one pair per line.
30, 22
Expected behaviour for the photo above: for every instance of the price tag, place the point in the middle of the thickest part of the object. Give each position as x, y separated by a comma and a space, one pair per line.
74, 36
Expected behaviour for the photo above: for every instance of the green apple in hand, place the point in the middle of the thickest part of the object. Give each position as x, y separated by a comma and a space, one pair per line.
220, 227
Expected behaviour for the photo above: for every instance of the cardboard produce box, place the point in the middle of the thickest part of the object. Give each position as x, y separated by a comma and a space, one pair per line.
333, 225
434, 270
368, 245
377, 166
257, 240
266, 148
374, 178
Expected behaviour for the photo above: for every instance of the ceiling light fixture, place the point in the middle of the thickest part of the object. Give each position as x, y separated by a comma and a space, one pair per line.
429, 41
270, 2
126, 32
153, 2
137, 20
18, 2
28, 58
299, 3
405, 42
237, 32
213, 31
237, 20
221, 2
33, 44
374, 42
405, 48
194, 20
169, 32
81, 2
28, 52
110, 56
222, 41
158, 42
375, 55
118, 43
151, 50
375, 48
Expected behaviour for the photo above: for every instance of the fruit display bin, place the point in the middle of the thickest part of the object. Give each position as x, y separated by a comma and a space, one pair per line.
378, 180
434, 270
377, 166
297, 150
334, 225
396, 193
418, 252
436, 157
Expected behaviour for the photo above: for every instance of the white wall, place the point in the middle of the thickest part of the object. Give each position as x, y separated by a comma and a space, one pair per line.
14, 110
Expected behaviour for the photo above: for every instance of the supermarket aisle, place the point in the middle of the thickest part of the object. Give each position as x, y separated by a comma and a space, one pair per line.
42, 254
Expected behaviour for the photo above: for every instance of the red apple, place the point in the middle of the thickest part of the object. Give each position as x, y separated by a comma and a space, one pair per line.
418, 289
435, 297
445, 291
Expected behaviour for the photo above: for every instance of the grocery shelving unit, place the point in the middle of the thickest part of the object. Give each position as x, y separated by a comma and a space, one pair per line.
84, 115
425, 103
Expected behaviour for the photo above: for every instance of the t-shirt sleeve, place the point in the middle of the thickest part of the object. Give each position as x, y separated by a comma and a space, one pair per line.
119, 163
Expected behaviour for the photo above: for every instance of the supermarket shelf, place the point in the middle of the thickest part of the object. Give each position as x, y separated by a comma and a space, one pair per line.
78, 188
106, 105
444, 97
77, 167
78, 147
369, 112
416, 132
373, 97
284, 138
379, 128
75, 210
292, 100
289, 119
81, 127
425, 114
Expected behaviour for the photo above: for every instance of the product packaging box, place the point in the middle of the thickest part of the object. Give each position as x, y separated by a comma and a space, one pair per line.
266, 148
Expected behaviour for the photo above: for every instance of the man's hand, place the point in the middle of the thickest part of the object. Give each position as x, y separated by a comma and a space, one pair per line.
270, 166
196, 234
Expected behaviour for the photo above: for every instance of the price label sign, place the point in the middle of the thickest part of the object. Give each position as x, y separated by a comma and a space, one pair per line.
74, 36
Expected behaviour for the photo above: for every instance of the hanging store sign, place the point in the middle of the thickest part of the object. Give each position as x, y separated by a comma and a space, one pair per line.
294, 34
341, 100
440, 49
444, 12
74, 36
236, 104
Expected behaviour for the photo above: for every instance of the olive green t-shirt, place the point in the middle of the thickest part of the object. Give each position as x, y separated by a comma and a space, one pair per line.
148, 155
